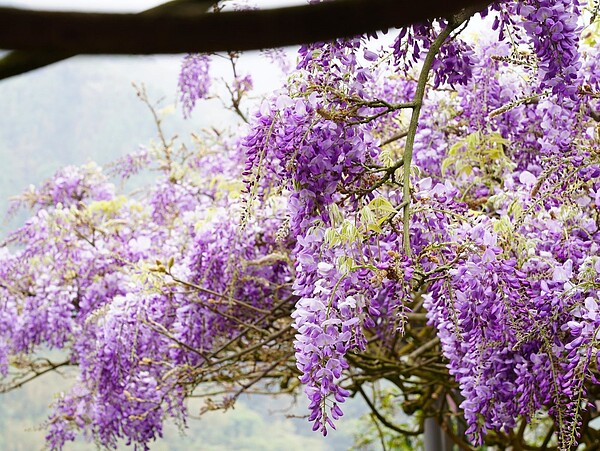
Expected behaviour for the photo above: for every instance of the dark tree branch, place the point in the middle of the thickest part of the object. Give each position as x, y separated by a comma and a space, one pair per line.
187, 28
18, 62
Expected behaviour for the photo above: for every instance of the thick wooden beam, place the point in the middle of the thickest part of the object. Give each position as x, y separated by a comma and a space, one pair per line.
192, 30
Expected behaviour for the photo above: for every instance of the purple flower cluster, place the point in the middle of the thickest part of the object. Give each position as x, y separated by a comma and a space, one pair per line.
194, 81
452, 65
553, 29
69, 186
335, 307
473, 318
131, 164
302, 138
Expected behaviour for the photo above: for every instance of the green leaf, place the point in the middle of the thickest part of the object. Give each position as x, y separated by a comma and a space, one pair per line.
335, 215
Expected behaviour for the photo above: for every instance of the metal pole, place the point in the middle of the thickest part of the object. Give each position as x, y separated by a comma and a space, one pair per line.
435, 439
432, 435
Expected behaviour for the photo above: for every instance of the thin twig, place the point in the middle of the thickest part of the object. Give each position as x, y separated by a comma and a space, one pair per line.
245, 351
383, 420
394, 138
217, 294
248, 329
37, 373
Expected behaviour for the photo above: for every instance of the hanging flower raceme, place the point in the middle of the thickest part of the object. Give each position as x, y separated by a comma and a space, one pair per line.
194, 81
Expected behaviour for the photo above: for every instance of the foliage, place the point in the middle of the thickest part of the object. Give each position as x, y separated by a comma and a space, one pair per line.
408, 213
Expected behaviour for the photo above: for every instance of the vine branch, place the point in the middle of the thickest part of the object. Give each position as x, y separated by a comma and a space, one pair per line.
453, 24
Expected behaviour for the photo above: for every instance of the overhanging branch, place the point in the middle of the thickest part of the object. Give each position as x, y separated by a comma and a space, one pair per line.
190, 30
18, 62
